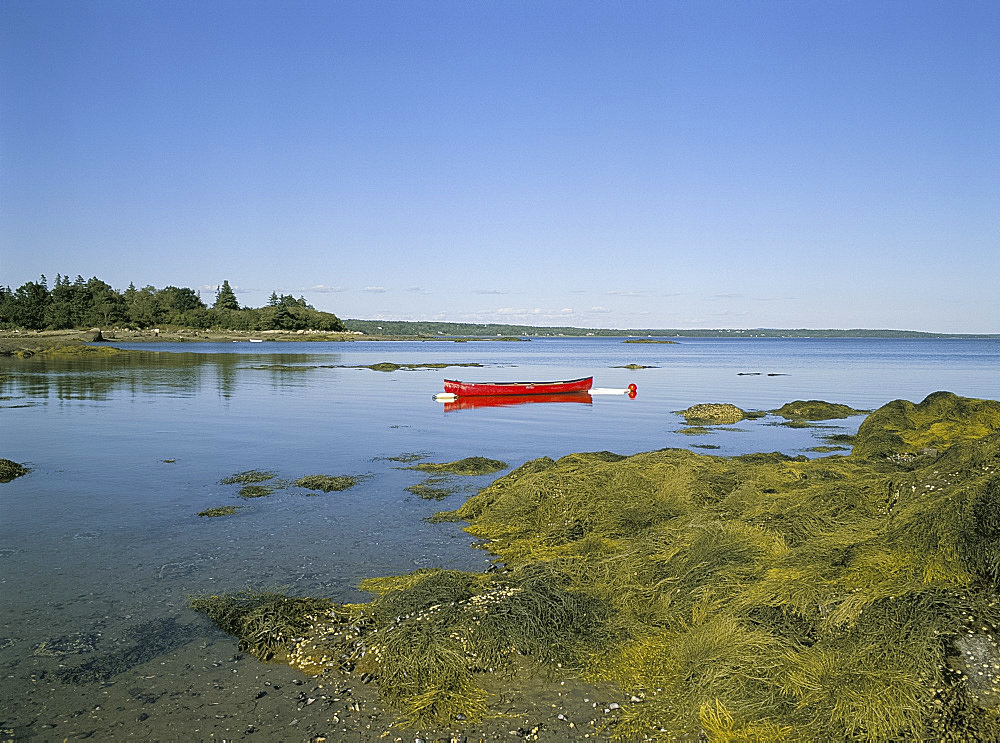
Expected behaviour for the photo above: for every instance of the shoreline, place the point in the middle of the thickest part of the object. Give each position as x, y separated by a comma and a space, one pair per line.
29, 342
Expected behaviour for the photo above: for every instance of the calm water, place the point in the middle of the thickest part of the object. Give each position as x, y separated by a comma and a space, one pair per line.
101, 543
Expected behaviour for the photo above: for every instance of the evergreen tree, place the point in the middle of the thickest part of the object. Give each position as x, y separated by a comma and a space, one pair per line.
273, 300
225, 299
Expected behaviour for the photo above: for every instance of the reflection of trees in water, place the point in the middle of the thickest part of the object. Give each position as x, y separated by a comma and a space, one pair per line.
173, 374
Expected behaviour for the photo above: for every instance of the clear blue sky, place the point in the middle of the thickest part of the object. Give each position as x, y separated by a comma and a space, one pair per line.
608, 164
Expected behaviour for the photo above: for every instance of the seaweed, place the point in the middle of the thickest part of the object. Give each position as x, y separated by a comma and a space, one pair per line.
248, 477
388, 366
10, 470
761, 597
713, 414
328, 483
467, 466
405, 457
220, 511
434, 488
256, 491
815, 410
264, 620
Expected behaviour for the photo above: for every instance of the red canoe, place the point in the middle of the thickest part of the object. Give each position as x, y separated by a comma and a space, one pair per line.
517, 388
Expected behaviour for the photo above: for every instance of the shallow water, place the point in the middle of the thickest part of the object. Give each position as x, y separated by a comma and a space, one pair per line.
101, 543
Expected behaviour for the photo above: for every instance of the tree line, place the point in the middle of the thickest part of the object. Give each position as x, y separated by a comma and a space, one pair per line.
93, 303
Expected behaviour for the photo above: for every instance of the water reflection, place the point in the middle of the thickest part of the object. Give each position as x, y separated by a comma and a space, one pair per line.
466, 402
38, 380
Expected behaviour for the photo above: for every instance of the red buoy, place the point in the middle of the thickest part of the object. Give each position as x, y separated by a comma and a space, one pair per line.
632, 388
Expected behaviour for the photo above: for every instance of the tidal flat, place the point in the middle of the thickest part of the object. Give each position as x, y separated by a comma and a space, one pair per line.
103, 546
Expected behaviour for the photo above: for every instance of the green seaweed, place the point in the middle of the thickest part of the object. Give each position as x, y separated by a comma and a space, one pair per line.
328, 483
467, 466
713, 414
264, 620
695, 431
256, 491
405, 457
219, 511
248, 477
10, 470
434, 488
761, 597
941, 419
815, 410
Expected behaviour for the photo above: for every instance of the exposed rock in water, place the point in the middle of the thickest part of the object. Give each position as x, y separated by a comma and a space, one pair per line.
10, 469
713, 414
942, 419
815, 410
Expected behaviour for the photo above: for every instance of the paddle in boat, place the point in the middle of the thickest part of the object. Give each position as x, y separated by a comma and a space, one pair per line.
461, 389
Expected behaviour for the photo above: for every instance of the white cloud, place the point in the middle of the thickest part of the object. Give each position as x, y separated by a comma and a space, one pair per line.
375, 289
323, 289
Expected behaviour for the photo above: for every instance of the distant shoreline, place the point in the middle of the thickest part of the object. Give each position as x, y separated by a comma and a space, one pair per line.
35, 341
374, 328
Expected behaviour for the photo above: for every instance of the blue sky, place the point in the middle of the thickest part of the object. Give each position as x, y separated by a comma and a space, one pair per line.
602, 164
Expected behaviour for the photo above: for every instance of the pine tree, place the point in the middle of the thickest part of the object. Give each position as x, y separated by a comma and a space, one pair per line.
225, 299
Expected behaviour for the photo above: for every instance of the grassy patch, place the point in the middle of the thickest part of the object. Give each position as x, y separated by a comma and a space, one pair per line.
10, 469
220, 511
467, 466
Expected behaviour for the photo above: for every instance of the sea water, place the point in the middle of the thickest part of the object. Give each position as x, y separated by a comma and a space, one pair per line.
101, 544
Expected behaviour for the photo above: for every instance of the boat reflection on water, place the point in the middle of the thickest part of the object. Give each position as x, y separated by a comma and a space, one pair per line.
465, 402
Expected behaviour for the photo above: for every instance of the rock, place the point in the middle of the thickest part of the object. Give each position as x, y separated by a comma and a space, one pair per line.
9, 470
713, 414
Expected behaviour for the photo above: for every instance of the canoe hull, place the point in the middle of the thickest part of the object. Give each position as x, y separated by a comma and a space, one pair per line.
517, 388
